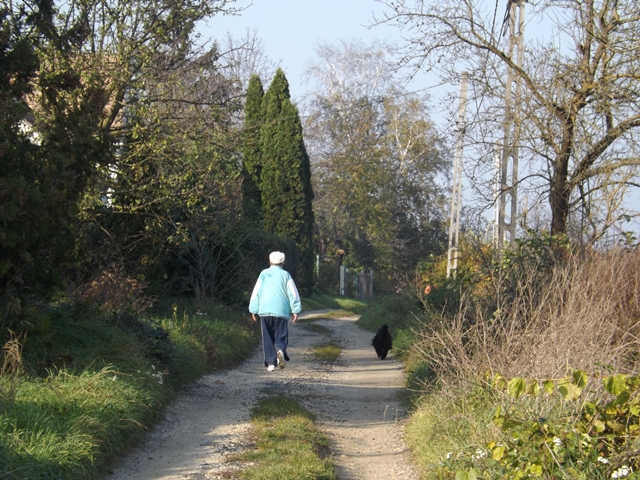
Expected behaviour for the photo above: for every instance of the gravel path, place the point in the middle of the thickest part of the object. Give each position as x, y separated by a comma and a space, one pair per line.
354, 398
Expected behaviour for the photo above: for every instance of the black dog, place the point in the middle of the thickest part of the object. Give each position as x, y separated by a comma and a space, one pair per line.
382, 342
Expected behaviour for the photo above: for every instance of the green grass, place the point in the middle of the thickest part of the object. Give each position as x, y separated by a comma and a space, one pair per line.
212, 338
338, 314
90, 385
351, 305
446, 424
331, 314
288, 445
327, 352
309, 304
65, 426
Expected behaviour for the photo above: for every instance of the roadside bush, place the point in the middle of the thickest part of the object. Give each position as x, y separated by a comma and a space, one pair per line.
255, 254
524, 270
112, 290
153, 339
587, 312
328, 281
574, 427
473, 275
489, 278
512, 399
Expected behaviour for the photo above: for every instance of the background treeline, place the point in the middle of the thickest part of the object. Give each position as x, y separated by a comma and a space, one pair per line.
122, 145
132, 154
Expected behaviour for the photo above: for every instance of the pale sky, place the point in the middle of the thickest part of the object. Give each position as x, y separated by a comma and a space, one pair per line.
289, 29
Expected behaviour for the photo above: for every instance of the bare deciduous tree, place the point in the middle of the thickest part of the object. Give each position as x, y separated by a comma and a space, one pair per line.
245, 56
580, 108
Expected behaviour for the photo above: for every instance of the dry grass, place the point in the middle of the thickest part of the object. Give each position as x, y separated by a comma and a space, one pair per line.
114, 291
12, 367
586, 316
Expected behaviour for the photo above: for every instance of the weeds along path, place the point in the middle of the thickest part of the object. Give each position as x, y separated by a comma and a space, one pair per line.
355, 399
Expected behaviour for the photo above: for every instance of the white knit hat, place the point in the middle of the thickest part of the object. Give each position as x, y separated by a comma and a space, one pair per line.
276, 258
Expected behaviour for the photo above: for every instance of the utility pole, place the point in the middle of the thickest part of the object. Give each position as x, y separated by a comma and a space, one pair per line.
456, 191
496, 184
510, 154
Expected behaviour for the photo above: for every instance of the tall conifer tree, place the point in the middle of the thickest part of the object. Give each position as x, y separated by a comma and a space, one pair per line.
252, 155
286, 176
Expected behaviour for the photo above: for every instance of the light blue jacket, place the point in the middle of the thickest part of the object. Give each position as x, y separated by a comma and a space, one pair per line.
275, 294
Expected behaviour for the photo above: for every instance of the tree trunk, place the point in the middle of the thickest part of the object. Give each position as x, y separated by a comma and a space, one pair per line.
560, 194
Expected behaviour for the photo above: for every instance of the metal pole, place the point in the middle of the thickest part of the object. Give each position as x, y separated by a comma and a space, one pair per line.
510, 153
456, 191
496, 196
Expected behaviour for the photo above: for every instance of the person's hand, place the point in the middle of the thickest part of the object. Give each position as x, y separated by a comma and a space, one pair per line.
295, 317
253, 316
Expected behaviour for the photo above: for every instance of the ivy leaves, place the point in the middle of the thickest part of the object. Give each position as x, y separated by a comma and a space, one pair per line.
595, 422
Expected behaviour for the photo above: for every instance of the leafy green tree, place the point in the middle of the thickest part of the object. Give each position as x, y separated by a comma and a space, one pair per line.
252, 154
52, 143
74, 69
376, 161
18, 64
285, 180
176, 202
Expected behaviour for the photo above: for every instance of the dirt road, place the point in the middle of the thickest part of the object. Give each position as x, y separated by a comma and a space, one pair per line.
354, 398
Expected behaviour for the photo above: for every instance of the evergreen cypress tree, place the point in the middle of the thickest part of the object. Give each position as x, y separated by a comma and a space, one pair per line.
286, 176
252, 155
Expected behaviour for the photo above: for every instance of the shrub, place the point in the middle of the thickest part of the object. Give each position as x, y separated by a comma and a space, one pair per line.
565, 428
586, 312
443, 294
329, 278
566, 323
112, 290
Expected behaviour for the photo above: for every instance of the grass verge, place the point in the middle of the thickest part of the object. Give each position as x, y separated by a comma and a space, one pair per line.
541, 384
446, 425
352, 306
327, 352
288, 445
79, 387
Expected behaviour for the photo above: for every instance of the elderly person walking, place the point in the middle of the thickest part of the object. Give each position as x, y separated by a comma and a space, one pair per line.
275, 299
